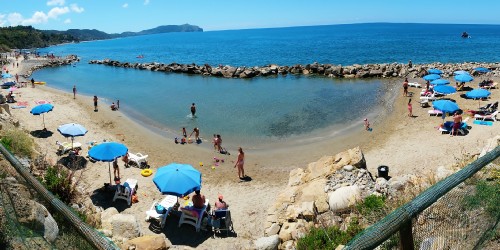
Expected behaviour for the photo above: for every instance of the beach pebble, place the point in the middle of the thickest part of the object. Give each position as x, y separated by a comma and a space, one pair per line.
348, 168
267, 243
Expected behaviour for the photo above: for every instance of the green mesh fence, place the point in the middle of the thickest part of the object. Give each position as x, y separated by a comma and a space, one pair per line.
66, 218
460, 212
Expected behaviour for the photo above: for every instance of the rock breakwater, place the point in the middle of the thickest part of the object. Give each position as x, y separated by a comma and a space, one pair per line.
384, 70
35, 64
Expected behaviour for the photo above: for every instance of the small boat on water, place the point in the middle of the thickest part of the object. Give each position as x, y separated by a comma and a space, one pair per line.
140, 56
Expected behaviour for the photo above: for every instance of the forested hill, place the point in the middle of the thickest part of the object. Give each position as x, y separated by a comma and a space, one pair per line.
27, 37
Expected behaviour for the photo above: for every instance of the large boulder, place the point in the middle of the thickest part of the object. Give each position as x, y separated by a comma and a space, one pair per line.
344, 198
314, 192
106, 217
147, 242
267, 243
125, 226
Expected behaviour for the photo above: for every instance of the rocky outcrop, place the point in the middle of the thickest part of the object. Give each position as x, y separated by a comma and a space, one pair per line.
55, 62
148, 242
385, 70
119, 227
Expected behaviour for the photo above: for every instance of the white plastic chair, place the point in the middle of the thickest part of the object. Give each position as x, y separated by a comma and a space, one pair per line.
168, 203
188, 217
139, 159
126, 191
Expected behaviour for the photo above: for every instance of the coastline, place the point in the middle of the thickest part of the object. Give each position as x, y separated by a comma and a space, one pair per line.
407, 145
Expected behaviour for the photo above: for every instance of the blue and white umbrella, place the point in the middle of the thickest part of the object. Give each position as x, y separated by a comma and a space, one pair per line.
434, 71
42, 109
444, 89
108, 152
72, 130
463, 78
440, 82
445, 106
461, 72
431, 77
177, 179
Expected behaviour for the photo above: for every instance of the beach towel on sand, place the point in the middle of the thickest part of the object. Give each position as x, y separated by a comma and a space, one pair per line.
487, 123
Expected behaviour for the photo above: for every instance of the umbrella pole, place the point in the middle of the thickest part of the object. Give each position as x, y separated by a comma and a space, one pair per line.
72, 139
43, 119
109, 167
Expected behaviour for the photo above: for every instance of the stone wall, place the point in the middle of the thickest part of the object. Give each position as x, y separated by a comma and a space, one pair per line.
384, 70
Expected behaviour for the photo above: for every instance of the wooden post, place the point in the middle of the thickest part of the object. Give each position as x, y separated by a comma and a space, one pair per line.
406, 236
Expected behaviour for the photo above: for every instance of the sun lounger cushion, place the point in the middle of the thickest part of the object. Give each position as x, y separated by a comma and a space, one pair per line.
160, 209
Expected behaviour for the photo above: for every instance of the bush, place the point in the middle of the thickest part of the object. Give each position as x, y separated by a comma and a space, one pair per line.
17, 142
58, 180
329, 238
372, 204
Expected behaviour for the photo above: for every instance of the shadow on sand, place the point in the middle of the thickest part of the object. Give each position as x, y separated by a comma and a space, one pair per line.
73, 162
103, 197
246, 178
41, 133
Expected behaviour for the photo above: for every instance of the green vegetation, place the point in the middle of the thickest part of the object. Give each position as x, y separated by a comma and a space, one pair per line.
58, 181
24, 37
329, 238
372, 205
487, 195
17, 142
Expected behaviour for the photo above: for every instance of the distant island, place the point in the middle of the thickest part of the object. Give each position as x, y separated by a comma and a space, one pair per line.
27, 37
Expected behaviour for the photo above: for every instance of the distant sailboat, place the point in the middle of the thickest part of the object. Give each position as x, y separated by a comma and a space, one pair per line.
140, 56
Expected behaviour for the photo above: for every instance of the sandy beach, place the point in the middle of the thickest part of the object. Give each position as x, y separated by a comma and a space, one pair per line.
408, 145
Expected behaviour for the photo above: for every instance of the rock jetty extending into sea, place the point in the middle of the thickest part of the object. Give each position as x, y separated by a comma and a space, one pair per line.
35, 64
383, 70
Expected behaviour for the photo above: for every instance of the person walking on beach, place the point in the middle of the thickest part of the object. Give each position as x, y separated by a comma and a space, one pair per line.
17, 78
184, 133
196, 132
410, 108
367, 124
214, 141
193, 110
95, 103
240, 162
74, 91
117, 104
116, 169
405, 87
32, 82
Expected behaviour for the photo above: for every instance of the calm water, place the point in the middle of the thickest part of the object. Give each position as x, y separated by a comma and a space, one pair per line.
262, 110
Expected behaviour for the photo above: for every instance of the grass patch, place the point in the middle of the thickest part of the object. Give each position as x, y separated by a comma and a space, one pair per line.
58, 180
17, 142
487, 195
372, 205
329, 238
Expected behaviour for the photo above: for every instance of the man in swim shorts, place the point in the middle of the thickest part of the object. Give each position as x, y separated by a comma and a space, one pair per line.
193, 110
457, 122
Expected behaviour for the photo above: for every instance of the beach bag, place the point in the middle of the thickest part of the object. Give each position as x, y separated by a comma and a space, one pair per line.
160, 209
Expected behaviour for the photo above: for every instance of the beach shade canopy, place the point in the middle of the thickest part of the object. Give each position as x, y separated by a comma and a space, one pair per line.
463, 78
482, 70
444, 89
177, 179
72, 130
42, 109
6, 75
108, 152
440, 82
431, 77
434, 71
461, 72
445, 106
478, 93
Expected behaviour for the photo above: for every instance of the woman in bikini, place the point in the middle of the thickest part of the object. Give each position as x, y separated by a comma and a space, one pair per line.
239, 163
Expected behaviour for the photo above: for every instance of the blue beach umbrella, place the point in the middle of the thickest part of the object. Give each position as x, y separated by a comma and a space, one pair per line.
440, 82
72, 130
444, 89
108, 152
482, 70
464, 78
6, 75
177, 179
434, 71
42, 109
431, 77
461, 72
445, 106
478, 94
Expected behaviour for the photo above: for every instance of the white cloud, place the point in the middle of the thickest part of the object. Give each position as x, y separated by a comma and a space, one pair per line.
3, 22
15, 19
57, 11
74, 7
38, 17
125, 5
55, 2
146, 2
67, 21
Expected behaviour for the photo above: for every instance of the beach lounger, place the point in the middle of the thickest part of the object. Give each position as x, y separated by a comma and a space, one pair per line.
428, 98
126, 191
447, 127
435, 112
414, 84
492, 116
424, 103
161, 216
137, 159
64, 147
193, 216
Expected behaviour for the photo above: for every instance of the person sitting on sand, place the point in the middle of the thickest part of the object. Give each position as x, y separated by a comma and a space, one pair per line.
457, 122
220, 204
113, 107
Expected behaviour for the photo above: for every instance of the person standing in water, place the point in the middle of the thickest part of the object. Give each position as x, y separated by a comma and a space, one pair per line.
193, 110
95, 103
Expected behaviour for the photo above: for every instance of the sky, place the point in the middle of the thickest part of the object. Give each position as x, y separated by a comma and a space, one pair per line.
116, 16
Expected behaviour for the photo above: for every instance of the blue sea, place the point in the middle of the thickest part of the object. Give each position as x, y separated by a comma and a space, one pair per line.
264, 110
